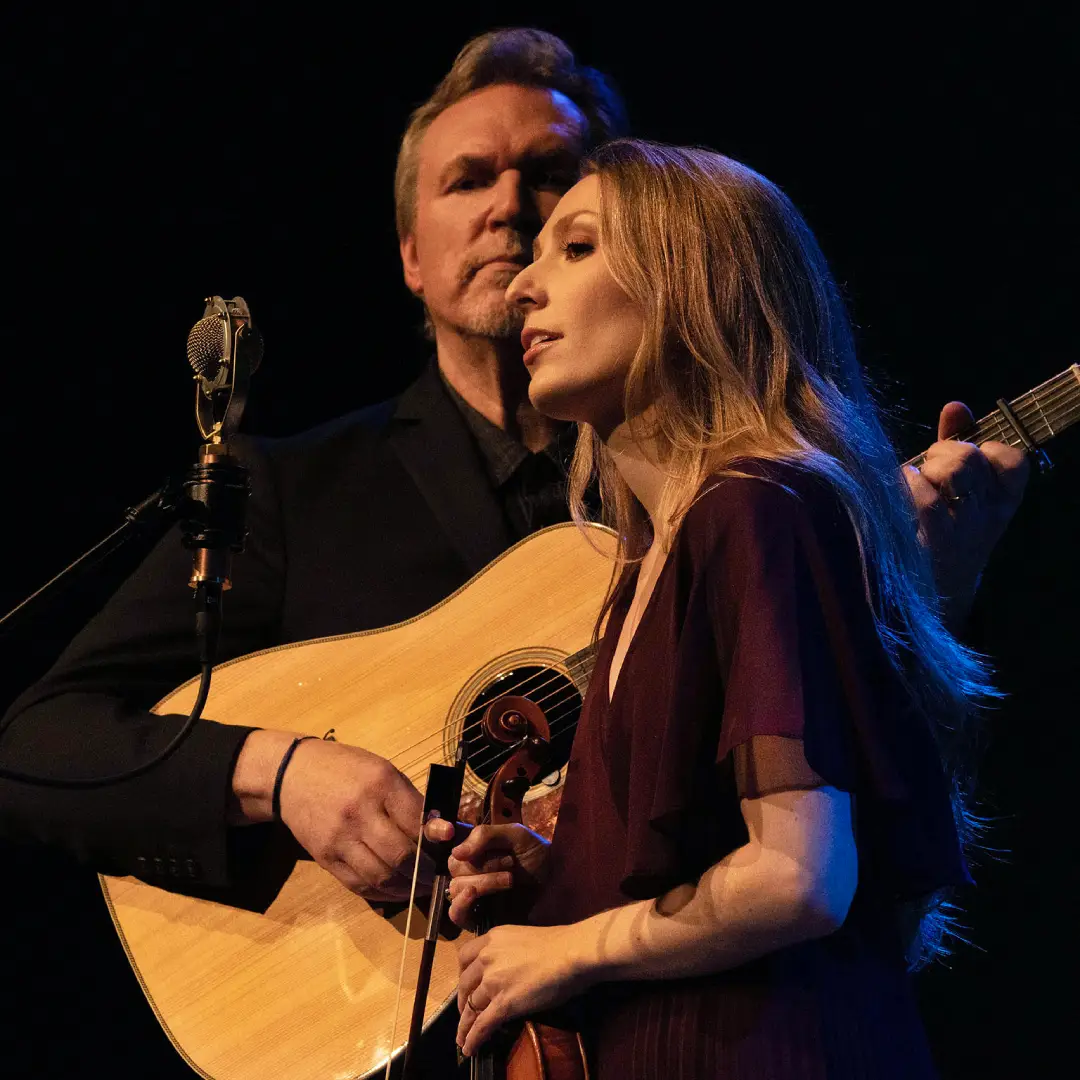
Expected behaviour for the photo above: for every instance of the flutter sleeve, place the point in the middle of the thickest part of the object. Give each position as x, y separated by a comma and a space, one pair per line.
777, 638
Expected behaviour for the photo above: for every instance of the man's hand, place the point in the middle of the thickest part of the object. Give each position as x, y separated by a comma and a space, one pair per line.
352, 811
965, 496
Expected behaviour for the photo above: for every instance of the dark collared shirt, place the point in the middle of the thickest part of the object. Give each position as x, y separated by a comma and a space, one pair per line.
531, 486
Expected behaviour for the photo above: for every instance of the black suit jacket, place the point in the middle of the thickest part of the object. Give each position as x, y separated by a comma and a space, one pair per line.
362, 522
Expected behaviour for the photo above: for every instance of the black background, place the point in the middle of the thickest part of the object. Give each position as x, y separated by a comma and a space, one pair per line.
159, 153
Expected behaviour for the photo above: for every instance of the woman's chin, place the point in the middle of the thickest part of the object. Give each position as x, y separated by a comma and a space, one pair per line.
552, 399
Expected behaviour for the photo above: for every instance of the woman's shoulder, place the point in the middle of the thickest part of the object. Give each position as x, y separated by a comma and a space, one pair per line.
756, 498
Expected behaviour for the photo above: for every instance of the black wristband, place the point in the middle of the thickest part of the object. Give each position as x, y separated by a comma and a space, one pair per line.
275, 799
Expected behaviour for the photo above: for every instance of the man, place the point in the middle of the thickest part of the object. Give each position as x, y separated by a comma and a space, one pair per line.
372, 519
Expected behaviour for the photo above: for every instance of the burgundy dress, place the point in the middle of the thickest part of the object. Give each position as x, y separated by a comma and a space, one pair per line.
759, 624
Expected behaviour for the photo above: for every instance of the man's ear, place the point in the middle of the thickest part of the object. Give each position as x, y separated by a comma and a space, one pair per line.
411, 265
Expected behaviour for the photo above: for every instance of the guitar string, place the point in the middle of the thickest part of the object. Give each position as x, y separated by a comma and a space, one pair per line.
1066, 380
1001, 429
1054, 409
576, 667
1058, 404
560, 683
558, 726
1050, 413
549, 701
576, 664
1035, 415
1055, 398
579, 667
491, 757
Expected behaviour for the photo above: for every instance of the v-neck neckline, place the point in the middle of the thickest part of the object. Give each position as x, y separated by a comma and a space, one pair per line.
624, 610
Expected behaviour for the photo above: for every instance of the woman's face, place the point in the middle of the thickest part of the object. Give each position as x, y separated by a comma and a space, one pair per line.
581, 330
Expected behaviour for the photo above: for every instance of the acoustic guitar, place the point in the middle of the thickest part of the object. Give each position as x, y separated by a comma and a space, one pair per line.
307, 990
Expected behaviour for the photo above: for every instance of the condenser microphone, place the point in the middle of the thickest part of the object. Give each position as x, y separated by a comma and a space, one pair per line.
224, 348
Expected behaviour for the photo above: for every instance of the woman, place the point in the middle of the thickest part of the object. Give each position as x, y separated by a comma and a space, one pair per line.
770, 767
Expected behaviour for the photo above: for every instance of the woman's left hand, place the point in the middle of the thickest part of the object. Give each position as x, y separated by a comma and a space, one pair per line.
513, 971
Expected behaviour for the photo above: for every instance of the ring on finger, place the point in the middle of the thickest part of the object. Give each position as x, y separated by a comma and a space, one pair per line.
472, 1004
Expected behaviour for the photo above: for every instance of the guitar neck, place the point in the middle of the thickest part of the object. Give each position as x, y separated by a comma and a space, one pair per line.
1043, 413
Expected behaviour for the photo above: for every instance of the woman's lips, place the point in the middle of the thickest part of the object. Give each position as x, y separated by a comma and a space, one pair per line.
534, 350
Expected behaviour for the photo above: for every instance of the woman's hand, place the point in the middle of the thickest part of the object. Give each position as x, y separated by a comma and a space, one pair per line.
514, 971
493, 859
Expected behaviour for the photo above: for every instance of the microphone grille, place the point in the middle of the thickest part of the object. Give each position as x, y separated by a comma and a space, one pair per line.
206, 346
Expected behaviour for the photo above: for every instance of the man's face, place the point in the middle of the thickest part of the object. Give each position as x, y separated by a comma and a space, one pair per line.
491, 169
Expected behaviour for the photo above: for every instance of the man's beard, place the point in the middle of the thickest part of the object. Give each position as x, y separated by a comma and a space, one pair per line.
502, 320
501, 323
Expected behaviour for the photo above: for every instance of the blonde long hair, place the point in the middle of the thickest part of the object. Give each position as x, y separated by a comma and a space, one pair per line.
747, 351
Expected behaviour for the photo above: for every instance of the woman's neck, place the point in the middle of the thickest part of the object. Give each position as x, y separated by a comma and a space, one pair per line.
639, 465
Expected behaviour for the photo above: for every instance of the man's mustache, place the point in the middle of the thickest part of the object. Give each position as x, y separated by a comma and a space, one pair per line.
519, 253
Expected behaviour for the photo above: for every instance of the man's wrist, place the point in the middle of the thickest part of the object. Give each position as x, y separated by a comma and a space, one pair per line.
253, 776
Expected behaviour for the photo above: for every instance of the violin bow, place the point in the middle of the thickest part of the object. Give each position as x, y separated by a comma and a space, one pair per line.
442, 799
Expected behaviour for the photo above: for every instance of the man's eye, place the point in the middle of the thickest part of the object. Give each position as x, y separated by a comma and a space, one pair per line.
554, 179
577, 249
466, 183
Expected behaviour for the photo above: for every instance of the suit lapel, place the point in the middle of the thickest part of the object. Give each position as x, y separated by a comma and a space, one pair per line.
430, 438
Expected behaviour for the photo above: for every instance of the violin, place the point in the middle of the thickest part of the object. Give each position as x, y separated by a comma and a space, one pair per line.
529, 1050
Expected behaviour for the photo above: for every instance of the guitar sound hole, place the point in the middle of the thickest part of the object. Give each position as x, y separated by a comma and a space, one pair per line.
549, 689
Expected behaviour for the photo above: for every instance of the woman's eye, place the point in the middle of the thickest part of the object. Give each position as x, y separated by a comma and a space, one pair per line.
577, 249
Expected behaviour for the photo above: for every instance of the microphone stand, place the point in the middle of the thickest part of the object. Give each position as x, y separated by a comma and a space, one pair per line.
156, 510
211, 511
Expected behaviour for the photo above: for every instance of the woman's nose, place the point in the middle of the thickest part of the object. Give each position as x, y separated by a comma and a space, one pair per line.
524, 290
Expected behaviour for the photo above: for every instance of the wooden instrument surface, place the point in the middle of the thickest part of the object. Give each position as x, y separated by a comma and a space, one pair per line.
307, 990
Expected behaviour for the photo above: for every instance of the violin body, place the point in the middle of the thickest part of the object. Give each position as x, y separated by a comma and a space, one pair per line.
544, 1052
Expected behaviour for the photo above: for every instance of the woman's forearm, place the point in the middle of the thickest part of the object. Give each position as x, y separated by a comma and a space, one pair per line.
750, 903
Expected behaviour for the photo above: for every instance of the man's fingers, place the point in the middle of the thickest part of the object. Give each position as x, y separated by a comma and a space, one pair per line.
958, 470
1011, 465
388, 842
955, 419
923, 493
395, 889
404, 804
371, 872
439, 830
